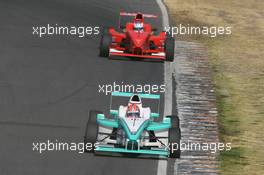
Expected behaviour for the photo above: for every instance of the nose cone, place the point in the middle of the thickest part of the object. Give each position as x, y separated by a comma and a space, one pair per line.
138, 42
138, 38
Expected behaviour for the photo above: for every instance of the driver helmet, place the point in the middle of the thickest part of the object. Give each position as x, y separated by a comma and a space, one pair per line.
133, 110
138, 25
133, 114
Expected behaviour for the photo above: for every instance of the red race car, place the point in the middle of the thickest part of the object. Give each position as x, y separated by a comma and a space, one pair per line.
137, 39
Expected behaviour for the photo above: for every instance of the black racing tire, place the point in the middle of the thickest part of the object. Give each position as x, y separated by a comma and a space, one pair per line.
175, 121
91, 131
169, 48
174, 138
105, 43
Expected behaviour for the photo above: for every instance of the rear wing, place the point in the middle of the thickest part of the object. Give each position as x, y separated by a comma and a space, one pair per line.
128, 95
135, 14
124, 14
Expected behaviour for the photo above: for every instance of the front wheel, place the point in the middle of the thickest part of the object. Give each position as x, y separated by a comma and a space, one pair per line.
169, 48
91, 131
105, 43
174, 137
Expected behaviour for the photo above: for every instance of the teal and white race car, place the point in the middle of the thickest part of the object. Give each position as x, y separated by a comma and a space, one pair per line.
133, 129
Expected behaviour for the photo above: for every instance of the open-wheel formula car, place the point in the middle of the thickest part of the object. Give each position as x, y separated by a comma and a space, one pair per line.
137, 39
131, 130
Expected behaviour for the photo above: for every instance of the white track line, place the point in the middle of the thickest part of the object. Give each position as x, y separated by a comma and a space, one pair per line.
162, 164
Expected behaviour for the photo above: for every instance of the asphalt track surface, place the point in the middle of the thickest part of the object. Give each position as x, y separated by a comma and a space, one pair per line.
48, 85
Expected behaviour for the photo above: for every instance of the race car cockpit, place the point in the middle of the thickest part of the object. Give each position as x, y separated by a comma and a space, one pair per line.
133, 115
133, 107
138, 26
138, 22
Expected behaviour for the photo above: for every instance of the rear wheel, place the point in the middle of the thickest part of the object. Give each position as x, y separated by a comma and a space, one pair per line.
175, 137
175, 121
169, 48
105, 43
91, 131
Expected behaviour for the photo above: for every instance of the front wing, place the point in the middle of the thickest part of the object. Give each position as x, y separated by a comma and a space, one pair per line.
158, 56
144, 149
157, 152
